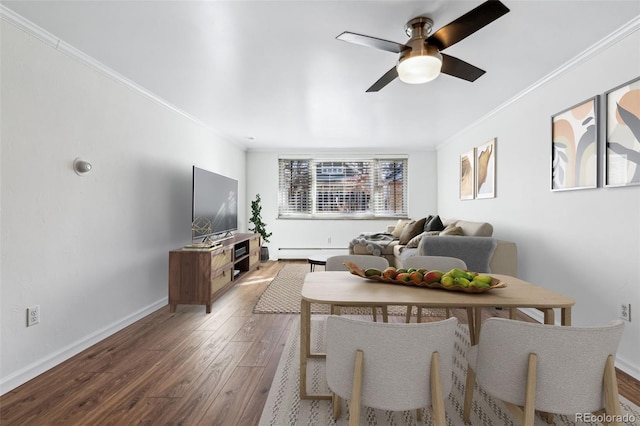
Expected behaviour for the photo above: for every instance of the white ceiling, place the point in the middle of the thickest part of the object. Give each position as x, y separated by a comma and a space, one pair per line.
271, 75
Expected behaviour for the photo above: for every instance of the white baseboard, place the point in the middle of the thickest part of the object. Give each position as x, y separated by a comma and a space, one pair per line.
36, 368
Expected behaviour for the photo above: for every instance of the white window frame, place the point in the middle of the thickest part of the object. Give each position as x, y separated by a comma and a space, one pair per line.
305, 204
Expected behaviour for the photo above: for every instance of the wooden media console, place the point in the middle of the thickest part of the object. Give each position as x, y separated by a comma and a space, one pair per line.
200, 276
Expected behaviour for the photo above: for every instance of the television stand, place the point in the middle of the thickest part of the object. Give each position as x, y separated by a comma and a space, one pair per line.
200, 276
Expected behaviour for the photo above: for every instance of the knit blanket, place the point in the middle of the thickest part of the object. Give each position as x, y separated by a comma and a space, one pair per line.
374, 243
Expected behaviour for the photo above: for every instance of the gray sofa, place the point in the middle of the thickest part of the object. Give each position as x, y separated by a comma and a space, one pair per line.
466, 240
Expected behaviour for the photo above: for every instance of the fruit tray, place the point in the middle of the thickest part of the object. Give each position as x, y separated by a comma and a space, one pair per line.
356, 270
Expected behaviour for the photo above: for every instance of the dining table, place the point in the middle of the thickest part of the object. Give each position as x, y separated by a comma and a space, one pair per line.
342, 288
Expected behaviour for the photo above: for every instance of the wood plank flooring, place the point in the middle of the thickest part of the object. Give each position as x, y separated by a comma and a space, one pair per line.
182, 368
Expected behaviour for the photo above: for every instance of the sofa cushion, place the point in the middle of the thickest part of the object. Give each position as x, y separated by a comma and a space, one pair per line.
435, 224
397, 230
412, 229
452, 230
475, 229
415, 241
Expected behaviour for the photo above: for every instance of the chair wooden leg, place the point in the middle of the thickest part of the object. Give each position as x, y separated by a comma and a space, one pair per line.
447, 312
468, 393
408, 317
437, 397
385, 314
530, 393
611, 397
374, 311
419, 414
336, 402
356, 390
419, 317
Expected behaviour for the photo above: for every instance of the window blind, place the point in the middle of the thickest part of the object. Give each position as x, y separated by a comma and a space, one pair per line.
362, 188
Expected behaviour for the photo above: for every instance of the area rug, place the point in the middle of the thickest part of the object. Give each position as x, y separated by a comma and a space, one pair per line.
282, 296
284, 407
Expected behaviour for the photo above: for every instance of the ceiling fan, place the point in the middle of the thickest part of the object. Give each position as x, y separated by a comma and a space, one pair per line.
420, 58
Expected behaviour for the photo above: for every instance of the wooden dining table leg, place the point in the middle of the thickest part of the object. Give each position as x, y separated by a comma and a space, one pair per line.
565, 316
477, 313
474, 317
305, 344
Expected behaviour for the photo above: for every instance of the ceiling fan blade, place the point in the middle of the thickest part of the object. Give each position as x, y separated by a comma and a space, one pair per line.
368, 41
459, 68
387, 78
467, 24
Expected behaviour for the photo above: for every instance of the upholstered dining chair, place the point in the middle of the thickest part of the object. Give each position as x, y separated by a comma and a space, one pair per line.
440, 263
336, 263
390, 366
553, 369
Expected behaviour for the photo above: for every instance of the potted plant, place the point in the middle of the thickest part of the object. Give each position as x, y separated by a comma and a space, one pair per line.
259, 227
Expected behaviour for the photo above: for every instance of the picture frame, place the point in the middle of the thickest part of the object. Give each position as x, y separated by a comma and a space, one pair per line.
622, 146
485, 170
574, 146
467, 175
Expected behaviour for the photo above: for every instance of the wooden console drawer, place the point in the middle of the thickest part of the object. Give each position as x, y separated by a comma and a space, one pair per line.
221, 280
222, 258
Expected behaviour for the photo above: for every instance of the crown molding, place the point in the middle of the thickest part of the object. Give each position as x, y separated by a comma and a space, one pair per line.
51, 40
627, 29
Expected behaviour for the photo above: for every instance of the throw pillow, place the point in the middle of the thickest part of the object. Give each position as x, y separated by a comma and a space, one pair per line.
397, 231
415, 241
412, 229
434, 224
426, 222
452, 230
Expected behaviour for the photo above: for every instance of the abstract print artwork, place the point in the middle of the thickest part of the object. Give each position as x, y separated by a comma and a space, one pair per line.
574, 152
622, 153
486, 170
467, 174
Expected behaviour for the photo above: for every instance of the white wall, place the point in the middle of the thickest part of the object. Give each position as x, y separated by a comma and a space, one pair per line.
262, 178
92, 251
584, 244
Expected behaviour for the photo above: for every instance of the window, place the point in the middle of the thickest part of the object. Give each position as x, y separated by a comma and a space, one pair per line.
356, 189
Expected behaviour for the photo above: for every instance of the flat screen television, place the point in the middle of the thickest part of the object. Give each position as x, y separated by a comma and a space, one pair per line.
214, 207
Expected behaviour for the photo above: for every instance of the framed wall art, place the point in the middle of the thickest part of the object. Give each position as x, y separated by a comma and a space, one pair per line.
486, 170
622, 149
467, 175
574, 147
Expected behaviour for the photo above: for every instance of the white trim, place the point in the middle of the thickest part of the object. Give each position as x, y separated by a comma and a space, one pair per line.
622, 32
36, 368
51, 40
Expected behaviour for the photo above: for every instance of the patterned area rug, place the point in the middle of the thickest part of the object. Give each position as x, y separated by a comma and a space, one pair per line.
282, 296
284, 407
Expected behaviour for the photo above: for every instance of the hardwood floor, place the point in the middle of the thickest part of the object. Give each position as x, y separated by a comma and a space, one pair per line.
183, 368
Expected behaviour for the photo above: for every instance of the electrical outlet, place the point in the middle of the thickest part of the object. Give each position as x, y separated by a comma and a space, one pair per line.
33, 315
625, 312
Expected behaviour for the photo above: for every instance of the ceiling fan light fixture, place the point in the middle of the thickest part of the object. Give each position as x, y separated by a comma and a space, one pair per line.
419, 69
